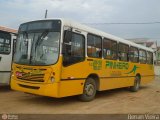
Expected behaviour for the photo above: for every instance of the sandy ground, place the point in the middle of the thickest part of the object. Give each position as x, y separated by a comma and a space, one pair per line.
146, 100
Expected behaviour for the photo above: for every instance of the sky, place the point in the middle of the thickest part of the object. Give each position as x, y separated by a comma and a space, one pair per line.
117, 17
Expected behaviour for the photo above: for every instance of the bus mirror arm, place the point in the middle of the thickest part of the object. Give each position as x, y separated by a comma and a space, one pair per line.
66, 41
63, 49
67, 36
0, 58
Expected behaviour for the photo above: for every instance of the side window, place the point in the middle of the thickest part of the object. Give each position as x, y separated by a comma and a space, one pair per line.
133, 54
5, 43
2, 41
142, 56
149, 58
109, 49
123, 52
73, 49
94, 46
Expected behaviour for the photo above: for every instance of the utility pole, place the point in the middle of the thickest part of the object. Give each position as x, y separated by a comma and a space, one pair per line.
46, 13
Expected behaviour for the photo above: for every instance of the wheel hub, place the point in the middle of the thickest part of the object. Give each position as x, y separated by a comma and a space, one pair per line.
89, 89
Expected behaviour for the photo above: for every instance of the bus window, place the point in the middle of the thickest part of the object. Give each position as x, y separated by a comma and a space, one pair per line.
123, 52
5, 44
74, 50
94, 46
109, 49
149, 58
133, 54
142, 56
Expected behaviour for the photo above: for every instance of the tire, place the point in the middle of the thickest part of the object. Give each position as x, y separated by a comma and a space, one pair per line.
136, 86
89, 90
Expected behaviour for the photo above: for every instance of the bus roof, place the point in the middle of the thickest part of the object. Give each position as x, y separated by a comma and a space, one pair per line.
88, 29
6, 29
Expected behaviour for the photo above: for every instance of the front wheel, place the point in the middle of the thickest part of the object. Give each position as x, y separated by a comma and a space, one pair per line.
136, 86
89, 90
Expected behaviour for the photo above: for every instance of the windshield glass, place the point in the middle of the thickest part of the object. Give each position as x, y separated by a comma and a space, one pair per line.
37, 47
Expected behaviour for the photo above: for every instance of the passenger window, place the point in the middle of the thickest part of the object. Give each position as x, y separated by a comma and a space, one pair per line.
94, 46
109, 49
149, 58
133, 54
73, 49
123, 52
5, 43
142, 56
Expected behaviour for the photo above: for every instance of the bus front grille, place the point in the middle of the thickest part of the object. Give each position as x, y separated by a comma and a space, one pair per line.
32, 78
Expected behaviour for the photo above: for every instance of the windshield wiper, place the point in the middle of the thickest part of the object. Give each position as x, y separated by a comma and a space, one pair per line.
40, 38
38, 42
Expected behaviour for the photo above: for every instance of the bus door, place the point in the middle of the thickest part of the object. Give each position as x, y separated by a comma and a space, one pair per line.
73, 62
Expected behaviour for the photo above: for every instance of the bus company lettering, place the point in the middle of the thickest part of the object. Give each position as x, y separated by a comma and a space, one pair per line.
96, 64
117, 65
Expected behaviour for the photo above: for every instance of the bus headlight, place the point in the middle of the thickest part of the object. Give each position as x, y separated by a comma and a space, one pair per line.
52, 79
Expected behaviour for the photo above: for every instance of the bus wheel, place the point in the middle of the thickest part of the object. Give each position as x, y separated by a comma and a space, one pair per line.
136, 86
89, 90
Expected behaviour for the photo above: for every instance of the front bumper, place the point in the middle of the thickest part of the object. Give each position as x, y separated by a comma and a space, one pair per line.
38, 89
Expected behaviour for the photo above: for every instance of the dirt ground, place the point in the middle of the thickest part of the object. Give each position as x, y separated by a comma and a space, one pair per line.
146, 100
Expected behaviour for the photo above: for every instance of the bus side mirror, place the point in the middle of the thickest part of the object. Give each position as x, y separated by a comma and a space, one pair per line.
66, 41
67, 36
63, 49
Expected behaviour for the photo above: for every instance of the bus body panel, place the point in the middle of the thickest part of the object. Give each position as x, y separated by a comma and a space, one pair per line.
44, 89
57, 90
110, 77
71, 87
5, 63
5, 69
5, 77
47, 88
73, 78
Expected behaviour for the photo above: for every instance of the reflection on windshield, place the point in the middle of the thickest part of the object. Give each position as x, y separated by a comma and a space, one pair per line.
38, 48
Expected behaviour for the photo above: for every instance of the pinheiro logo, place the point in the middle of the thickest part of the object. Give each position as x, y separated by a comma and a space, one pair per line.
4, 116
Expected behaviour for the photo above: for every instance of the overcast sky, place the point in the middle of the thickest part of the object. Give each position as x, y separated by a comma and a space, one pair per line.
98, 12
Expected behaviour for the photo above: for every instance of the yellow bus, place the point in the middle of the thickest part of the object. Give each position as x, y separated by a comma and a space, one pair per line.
59, 58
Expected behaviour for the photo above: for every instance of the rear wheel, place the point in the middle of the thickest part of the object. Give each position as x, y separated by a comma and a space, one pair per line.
89, 90
136, 86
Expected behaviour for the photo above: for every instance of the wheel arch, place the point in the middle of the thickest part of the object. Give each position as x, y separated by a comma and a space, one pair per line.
139, 75
96, 78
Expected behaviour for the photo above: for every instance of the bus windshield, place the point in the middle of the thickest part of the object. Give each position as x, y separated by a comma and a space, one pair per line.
38, 44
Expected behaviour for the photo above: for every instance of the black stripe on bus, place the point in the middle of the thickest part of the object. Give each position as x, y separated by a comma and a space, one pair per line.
73, 79
105, 77
5, 71
89, 59
126, 76
30, 87
28, 82
117, 77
